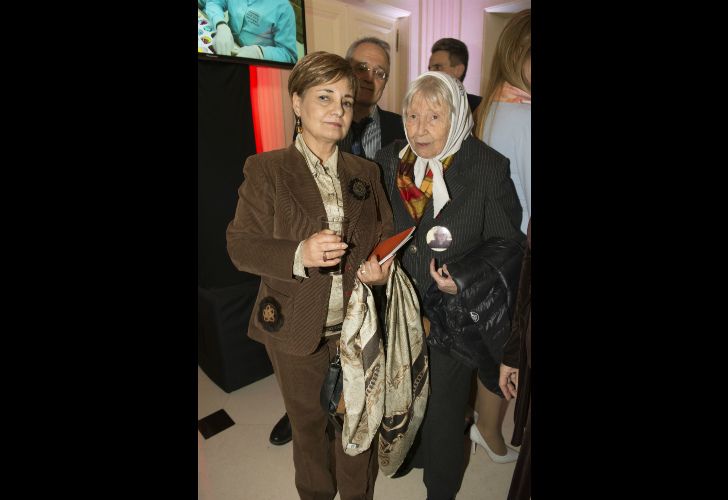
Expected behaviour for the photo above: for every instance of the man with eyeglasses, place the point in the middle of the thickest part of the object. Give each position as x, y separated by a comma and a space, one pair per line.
371, 129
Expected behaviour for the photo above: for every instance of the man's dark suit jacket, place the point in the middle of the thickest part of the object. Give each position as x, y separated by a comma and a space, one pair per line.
473, 101
392, 129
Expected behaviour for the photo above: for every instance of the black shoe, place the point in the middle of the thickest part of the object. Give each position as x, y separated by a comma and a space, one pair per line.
281, 433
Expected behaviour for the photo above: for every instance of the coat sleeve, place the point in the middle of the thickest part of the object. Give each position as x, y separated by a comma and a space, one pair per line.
502, 207
284, 49
385, 158
385, 210
250, 235
521, 316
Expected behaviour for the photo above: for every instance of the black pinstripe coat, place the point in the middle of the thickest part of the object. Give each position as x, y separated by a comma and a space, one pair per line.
278, 206
483, 203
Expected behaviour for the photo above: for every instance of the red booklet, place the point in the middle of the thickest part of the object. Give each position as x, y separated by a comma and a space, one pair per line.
389, 247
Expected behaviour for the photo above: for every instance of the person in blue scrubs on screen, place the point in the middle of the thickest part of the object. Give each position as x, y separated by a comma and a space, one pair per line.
257, 29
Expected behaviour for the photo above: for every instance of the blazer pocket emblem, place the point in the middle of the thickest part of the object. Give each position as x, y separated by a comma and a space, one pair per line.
270, 315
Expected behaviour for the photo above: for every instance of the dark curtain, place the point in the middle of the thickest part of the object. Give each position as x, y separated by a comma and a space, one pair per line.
225, 138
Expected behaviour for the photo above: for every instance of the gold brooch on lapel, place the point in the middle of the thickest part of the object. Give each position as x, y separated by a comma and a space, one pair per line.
359, 189
269, 314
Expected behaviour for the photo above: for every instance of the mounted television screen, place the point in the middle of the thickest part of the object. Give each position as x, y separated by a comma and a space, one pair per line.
261, 32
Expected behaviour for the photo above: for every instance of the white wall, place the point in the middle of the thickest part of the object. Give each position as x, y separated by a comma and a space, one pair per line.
427, 21
465, 23
411, 44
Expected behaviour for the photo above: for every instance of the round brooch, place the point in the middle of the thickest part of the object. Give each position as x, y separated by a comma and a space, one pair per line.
359, 189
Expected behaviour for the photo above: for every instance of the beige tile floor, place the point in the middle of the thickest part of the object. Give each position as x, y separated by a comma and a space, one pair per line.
240, 464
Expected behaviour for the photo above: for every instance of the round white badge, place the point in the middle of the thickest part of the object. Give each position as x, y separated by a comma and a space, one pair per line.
439, 238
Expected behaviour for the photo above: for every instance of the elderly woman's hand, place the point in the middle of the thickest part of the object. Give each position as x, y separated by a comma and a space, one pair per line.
371, 273
323, 249
444, 282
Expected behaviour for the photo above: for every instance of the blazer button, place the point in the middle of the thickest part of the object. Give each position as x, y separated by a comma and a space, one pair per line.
412, 249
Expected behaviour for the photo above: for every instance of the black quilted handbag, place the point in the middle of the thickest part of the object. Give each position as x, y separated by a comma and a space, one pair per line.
474, 324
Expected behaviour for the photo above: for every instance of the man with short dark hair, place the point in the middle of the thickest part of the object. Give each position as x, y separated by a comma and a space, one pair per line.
450, 56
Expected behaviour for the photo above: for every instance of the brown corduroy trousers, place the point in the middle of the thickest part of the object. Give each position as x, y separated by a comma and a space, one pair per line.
321, 465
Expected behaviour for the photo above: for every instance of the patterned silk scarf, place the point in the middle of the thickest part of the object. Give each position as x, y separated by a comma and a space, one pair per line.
407, 372
384, 394
415, 199
363, 367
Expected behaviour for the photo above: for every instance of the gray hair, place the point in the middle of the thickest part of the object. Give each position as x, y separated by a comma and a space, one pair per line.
433, 90
374, 41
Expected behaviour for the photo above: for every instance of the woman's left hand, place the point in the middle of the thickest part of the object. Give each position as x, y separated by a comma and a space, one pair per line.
444, 282
508, 381
371, 273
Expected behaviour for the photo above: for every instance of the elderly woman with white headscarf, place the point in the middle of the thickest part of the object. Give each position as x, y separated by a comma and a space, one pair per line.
443, 179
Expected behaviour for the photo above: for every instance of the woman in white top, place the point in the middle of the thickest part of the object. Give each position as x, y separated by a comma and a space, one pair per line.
503, 121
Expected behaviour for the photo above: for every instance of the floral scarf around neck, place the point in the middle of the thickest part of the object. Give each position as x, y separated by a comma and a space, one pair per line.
415, 199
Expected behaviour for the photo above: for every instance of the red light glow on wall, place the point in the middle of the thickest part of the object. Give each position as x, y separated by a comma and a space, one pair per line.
266, 98
254, 105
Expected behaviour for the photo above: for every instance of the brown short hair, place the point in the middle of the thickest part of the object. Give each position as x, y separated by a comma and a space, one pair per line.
318, 68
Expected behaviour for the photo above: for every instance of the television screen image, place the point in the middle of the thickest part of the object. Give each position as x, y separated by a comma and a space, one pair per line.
263, 32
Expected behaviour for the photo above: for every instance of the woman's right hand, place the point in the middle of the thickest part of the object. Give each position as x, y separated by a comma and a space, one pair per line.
371, 273
323, 249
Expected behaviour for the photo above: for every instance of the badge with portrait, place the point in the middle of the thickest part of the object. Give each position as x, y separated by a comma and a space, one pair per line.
439, 238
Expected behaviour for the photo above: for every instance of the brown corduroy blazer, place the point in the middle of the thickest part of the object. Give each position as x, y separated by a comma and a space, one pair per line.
279, 205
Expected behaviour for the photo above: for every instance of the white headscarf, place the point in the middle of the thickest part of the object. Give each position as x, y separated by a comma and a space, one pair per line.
461, 123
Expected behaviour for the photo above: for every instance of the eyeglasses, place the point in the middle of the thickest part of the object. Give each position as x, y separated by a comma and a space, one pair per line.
379, 73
